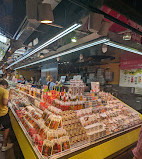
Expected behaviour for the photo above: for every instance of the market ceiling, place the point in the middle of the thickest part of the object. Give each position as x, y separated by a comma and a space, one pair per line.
64, 14
12, 12
130, 8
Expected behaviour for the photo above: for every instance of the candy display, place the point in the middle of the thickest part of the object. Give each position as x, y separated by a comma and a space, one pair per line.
58, 121
77, 87
73, 126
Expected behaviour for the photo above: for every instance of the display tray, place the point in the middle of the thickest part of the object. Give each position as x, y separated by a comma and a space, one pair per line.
75, 150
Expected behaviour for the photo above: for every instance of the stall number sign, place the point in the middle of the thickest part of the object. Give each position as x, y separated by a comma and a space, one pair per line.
95, 86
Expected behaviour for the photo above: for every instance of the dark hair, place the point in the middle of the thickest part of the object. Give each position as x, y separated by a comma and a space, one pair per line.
4, 83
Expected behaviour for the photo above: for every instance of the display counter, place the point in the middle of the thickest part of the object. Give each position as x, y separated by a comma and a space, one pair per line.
106, 134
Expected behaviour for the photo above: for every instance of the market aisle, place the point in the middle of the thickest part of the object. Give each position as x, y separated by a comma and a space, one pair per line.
2, 155
9, 154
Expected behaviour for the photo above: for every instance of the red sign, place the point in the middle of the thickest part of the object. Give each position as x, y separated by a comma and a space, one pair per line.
117, 28
130, 61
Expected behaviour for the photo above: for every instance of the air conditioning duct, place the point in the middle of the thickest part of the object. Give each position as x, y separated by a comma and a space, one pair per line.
95, 22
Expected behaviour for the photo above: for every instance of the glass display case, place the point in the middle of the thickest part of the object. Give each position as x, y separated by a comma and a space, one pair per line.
58, 123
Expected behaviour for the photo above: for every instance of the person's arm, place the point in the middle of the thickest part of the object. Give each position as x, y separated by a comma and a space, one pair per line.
5, 101
5, 97
10, 95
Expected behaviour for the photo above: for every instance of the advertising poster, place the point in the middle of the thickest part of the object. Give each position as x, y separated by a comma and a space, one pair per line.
131, 78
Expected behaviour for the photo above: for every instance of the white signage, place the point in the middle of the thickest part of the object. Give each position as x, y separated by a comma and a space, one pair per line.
95, 86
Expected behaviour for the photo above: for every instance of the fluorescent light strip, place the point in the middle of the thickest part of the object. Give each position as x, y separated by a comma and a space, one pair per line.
60, 35
123, 47
70, 29
67, 31
66, 52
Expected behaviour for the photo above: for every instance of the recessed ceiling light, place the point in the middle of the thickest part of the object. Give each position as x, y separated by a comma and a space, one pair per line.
46, 21
41, 55
74, 40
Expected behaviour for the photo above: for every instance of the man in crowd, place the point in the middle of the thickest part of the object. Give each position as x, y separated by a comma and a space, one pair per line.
4, 116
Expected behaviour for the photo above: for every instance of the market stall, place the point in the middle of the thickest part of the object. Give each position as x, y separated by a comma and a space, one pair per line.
73, 124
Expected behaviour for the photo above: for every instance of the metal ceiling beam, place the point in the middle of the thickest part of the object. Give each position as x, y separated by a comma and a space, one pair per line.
96, 10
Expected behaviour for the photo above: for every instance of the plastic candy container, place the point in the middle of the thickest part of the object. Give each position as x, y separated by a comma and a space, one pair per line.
47, 148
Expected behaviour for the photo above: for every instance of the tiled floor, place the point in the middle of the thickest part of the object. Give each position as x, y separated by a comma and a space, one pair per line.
8, 154
14, 152
126, 155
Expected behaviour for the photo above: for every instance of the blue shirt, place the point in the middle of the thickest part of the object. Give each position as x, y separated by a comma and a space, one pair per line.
52, 84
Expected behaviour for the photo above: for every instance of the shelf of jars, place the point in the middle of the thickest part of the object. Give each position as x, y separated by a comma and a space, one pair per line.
58, 123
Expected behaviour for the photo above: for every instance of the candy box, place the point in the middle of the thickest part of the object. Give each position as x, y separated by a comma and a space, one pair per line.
56, 146
52, 134
40, 144
55, 122
31, 131
47, 148
65, 143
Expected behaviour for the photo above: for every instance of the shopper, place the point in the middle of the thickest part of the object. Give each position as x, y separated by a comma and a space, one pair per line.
50, 83
138, 149
4, 116
23, 81
32, 80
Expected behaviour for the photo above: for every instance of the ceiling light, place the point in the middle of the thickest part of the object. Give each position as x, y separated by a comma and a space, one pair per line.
74, 40
67, 52
126, 48
127, 36
46, 21
104, 48
45, 13
52, 40
41, 55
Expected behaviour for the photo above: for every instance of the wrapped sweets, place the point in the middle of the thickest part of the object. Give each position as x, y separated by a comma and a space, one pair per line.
36, 103
52, 134
40, 144
47, 122
46, 114
32, 131
36, 138
65, 142
56, 146
37, 127
41, 131
55, 121
47, 148
36, 115
61, 132
30, 108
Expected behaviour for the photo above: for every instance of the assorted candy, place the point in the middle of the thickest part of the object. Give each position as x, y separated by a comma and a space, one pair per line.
57, 121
